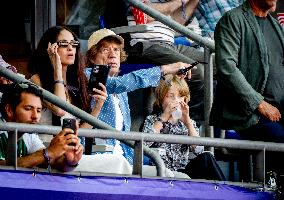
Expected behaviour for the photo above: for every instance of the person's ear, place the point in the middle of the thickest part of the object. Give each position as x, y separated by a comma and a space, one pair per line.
9, 111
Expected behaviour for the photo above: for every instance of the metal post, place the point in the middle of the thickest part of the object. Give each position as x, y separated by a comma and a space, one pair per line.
259, 166
138, 158
52, 13
12, 148
208, 93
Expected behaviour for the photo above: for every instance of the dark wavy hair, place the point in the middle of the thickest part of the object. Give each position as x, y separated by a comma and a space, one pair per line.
40, 64
12, 95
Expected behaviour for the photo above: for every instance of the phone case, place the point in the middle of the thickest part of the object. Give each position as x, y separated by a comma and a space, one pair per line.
69, 123
99, 74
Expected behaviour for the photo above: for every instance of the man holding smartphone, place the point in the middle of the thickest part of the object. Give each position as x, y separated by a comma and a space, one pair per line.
23, 104
106, 48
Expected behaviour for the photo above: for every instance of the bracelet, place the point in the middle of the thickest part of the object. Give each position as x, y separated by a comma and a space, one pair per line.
47, 159
72, 165
58, 81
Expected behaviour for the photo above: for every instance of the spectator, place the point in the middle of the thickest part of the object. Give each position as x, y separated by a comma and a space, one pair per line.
172, 95
250, 88
22, 104
208, 13
57, 66
105, 47
157, 45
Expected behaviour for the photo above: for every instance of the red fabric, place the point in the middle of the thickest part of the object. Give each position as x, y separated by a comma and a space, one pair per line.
281, 18
139, 16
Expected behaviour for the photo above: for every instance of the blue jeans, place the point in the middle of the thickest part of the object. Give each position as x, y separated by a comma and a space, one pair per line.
264, 130
268, 131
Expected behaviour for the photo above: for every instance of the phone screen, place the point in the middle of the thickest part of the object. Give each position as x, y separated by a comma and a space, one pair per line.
70, 123
99, 74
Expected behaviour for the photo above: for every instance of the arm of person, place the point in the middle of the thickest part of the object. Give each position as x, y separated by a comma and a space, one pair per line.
62, 155
174, 9
228, 44
194, 132
29, 161
157, 123
269, 111
151, 125
59, 90
182, 15
142, 78
192, 129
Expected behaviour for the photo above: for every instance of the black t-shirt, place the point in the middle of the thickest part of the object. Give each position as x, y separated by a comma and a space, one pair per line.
274, 91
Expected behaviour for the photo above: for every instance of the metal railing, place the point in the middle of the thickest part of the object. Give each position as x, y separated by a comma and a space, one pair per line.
262, 147
133, 136
209, 48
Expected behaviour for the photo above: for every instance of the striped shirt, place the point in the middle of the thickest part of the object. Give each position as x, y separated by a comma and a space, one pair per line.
158, 33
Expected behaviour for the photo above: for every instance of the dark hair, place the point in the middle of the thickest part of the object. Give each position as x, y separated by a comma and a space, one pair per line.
40, 64
12, 95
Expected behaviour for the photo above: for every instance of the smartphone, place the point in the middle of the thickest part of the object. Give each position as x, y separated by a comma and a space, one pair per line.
99, 74
69, 123
185, 70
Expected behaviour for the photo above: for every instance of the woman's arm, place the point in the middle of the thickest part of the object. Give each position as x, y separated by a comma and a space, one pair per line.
59, 90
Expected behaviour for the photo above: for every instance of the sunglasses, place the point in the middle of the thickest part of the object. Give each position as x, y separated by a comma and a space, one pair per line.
65, 44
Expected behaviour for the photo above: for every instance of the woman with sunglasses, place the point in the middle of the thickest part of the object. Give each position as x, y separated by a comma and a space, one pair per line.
56, 66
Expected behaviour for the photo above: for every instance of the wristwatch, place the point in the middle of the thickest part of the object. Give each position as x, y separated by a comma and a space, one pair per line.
72, 165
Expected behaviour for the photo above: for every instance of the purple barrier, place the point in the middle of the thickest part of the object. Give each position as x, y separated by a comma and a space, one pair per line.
24, 185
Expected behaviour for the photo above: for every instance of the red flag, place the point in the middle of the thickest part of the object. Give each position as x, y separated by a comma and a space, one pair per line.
280, 17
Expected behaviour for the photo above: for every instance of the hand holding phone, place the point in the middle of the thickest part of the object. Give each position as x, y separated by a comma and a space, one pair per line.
70, 123
99, 74
185, 70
